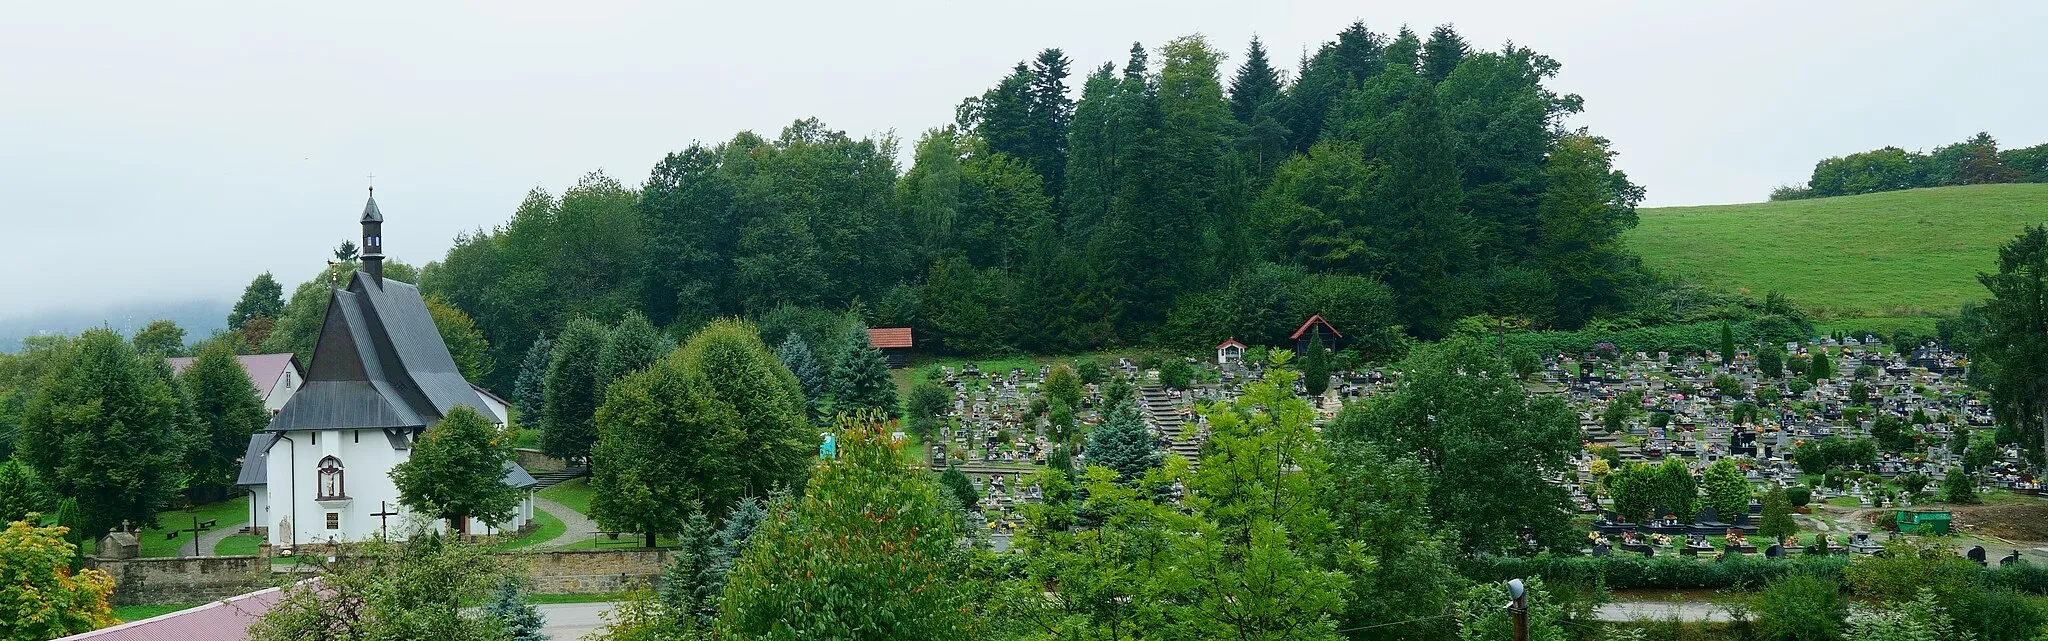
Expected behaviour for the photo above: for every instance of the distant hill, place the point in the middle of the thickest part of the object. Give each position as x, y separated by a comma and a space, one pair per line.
199, 318
1892, 254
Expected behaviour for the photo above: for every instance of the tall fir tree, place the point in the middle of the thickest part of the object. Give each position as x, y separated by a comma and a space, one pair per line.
1443, 52
1256, 84
811, 377
1430, 247
571, 391
1052, 112
528, 391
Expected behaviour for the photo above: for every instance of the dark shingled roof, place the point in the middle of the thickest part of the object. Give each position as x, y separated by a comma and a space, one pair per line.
255, 469
379, 363
370, 212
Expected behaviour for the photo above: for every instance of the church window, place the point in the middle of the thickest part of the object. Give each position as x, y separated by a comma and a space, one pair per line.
334, 520
331, 479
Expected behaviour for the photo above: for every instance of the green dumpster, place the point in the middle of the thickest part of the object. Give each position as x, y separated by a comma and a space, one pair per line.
1923, 522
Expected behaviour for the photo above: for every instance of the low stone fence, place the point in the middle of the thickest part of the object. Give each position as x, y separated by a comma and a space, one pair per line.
184, 580
188, 580
592, 571
538, 462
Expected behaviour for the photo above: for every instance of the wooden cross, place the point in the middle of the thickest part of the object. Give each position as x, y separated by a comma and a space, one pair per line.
383, 514
197, 527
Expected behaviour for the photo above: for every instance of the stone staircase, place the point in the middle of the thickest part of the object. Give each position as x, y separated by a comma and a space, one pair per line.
1163, 413
552, 479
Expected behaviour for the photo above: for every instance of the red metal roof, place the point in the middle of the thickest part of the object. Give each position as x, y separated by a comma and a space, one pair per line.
217, 621
1313, 321
263, 369
1229, 343
889, 337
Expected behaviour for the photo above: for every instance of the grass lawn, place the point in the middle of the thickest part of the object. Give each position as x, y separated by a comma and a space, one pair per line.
546, 528
128, 613
238, 545
1893, 254
574, 494
526, 438
228, 515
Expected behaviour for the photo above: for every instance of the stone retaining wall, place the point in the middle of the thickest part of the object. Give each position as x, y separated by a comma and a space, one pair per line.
538, 462
184, 580
188, 580
593, 571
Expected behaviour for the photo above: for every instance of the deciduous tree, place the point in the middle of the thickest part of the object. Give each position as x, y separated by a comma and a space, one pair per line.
42, 597
224, 411
869, 552
457, 471
104, 428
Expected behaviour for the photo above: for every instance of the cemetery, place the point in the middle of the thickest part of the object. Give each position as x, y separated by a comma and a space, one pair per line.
1864, 451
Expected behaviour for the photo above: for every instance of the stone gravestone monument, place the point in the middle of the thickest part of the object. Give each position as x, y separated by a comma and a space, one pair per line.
119, 545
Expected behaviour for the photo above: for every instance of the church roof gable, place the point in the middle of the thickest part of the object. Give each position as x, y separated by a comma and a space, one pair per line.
379, 363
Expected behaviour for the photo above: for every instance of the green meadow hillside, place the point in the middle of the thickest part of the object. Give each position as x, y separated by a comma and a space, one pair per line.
1885, 255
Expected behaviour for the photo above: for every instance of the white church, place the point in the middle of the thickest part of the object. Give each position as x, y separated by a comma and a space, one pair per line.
380, 376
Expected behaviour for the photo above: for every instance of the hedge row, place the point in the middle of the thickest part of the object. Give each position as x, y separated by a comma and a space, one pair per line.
1689, 337
1673, 572
1669, 572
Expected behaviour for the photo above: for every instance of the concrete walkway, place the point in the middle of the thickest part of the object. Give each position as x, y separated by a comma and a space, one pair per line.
570, 621
212, 538
1625, 611
575, 526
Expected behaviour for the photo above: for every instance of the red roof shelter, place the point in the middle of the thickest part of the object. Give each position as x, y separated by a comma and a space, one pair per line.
895, 343
1313, 327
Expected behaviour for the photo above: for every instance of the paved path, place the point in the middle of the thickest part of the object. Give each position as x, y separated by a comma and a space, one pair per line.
576, 527
1624, 611
209, 539
570, 621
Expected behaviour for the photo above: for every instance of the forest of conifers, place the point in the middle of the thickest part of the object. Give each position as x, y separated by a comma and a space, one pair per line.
1394, 183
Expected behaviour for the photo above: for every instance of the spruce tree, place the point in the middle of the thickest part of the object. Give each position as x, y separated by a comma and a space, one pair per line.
1256, 84
1443, 52
571, 391
528, 391
796, 355
860, 378
1052, 111
103, 429
1727, 343
21, 491
508, 605
1121, 443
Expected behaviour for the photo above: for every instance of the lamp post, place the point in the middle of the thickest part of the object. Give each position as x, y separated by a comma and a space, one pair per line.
1518, 609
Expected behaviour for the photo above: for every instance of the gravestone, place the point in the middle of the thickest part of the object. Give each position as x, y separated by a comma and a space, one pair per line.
119, 545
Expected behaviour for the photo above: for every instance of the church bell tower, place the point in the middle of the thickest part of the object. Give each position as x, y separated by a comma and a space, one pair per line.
373, 239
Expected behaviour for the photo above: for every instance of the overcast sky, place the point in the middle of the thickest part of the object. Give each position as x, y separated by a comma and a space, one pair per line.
171, 151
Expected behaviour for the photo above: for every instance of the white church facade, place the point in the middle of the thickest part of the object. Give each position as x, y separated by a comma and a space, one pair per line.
380, 376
